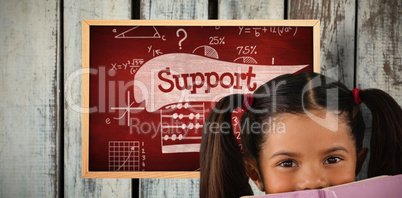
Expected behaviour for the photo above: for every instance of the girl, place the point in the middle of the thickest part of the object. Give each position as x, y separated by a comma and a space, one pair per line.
298, 132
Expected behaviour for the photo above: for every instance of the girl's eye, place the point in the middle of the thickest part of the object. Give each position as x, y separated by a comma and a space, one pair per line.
332, 160
288, 164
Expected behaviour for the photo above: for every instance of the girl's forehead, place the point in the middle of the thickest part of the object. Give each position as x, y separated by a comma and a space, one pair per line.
301, 131
325, 120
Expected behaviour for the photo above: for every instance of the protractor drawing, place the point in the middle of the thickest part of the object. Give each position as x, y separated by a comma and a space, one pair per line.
207, 51
140, 32
245, 59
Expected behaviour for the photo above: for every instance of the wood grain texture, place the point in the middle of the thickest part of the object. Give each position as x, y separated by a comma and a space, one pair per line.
251, 9
169, 187
28, 86
74, 12
379, 52
29, 58
337, 34
174, 9
379, 45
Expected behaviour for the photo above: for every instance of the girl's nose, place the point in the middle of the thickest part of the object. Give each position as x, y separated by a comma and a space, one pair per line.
312, 178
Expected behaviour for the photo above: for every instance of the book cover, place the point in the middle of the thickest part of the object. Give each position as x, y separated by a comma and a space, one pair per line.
381, 186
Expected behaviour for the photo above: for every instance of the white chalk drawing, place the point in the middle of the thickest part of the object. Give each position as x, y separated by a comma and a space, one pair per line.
181, 116
132, 33
247, 49
178, 35
180, 137
256, 31
132, 65
178, 106
245, 59
247, 30
155, 52
250, 30
127, 109
124, 156
182, 127
216, 40
283, 30
207, 51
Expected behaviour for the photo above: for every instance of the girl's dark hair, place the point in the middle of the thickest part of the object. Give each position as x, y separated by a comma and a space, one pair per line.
223, 172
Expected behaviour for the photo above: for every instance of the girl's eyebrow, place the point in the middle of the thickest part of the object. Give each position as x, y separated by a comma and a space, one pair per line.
337, 148
289, 154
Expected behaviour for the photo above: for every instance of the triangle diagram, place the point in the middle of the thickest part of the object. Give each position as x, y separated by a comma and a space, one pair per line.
140, 32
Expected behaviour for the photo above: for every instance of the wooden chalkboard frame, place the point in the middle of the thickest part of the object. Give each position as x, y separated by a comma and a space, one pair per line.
86, 25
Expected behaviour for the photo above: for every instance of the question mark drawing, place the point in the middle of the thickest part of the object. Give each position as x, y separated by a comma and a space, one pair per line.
178, 35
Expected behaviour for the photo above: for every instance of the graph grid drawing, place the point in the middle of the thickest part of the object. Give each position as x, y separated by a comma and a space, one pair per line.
124, 155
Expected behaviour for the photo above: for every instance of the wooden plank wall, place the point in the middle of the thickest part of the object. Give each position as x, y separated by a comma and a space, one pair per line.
378, 53
176, 9
40, 54
337, 22
29, 63
74, 12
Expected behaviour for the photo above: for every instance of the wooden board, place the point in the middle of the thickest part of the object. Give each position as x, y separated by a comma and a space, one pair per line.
251, 9
170, 187
378, 53
28, 103
379, 47
337, 34
174, 9
29, 145
74, 13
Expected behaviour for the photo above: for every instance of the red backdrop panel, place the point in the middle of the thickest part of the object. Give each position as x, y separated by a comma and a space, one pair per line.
134, 122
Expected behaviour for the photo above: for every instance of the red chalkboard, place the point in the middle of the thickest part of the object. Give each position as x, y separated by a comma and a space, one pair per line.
149, 85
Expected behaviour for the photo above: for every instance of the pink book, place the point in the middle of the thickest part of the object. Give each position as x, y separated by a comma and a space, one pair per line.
381, 186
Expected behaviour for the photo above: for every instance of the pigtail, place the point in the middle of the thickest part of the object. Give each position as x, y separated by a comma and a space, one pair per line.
223, 173
386, 137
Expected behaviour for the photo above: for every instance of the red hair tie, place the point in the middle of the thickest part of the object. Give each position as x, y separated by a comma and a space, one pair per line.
247, 102
356, 96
